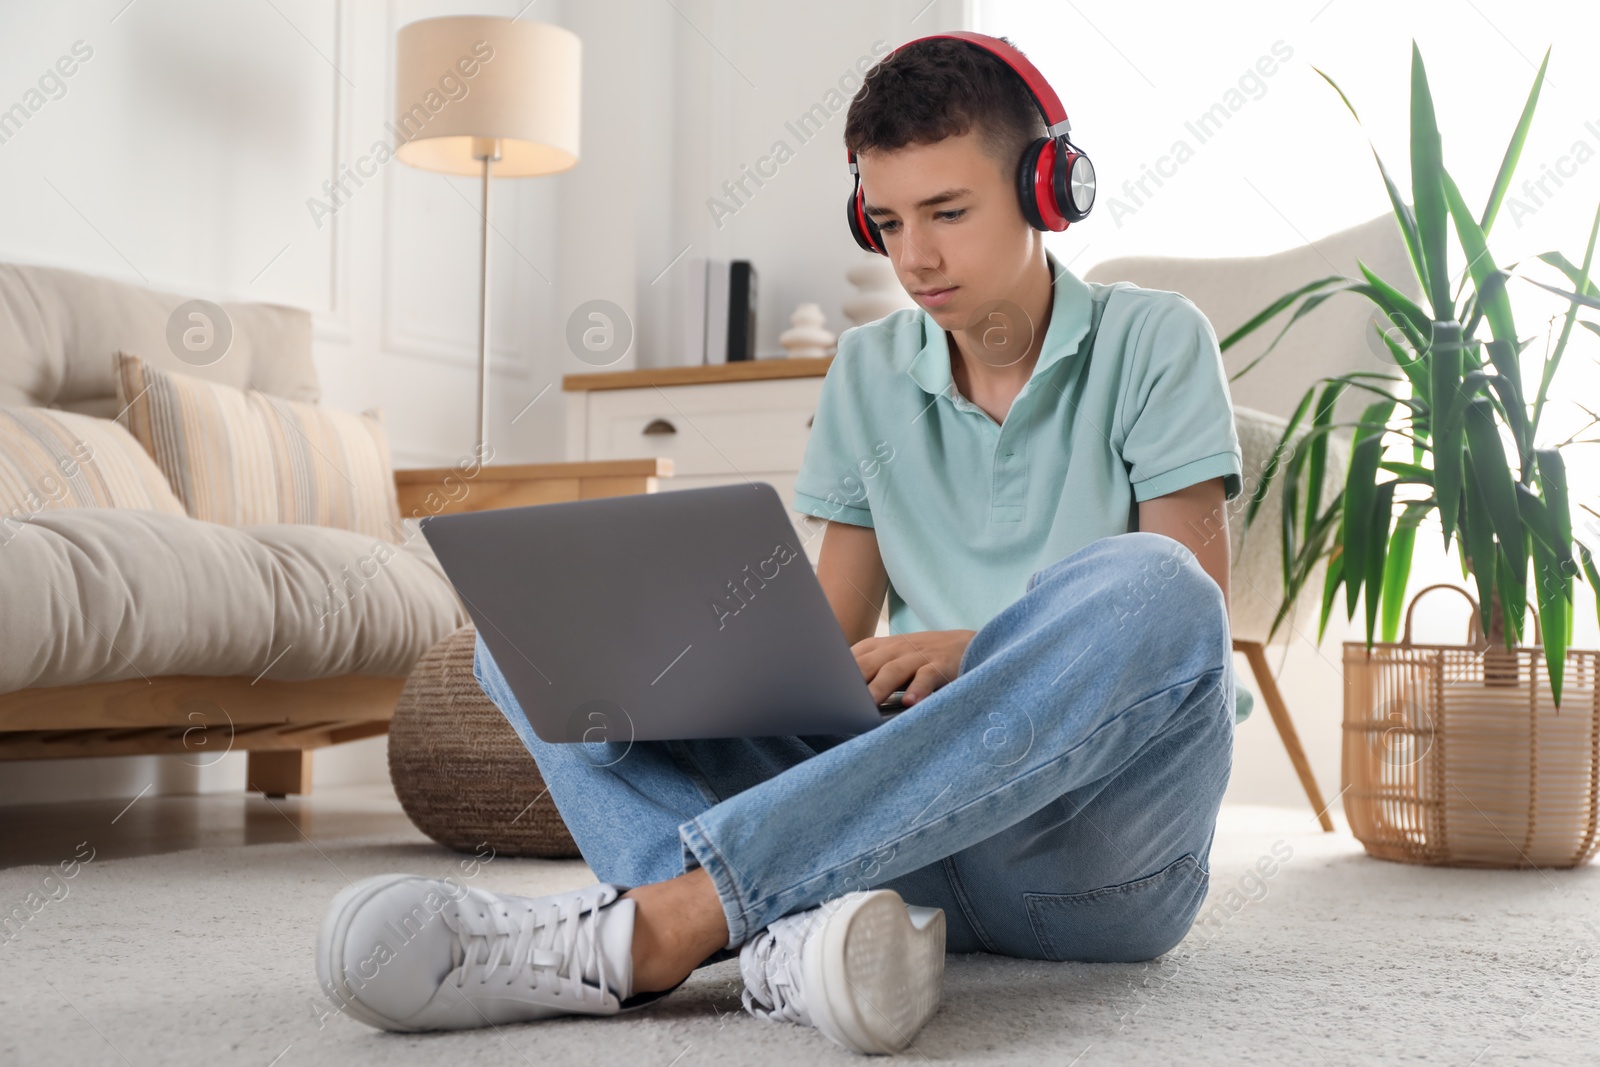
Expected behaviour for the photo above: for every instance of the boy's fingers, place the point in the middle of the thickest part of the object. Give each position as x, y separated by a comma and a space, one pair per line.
923, 683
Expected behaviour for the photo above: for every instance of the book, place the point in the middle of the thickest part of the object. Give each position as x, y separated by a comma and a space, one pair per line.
692, 319
742, 302
717, 310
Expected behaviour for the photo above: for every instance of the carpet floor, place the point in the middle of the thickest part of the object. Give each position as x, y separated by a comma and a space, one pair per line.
204, 956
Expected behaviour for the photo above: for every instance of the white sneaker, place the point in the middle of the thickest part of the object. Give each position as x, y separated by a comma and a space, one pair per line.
403, 952
865, 969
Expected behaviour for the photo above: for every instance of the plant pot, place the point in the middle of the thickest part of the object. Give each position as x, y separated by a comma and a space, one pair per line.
1448, 763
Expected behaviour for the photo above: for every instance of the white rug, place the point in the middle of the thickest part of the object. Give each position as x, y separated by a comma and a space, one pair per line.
205, 957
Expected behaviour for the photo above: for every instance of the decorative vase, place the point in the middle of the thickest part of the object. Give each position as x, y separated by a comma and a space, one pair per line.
878, 290
806, 336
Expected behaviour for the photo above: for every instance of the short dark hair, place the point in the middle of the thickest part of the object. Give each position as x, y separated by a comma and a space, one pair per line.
933, 89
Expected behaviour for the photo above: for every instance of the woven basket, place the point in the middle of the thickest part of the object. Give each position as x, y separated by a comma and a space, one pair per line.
460, 771
1455, 755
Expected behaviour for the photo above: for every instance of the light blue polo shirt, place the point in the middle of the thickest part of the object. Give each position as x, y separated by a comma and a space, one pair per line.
1128, 401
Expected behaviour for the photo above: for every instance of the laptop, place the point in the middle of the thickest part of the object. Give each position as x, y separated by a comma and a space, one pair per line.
691, 613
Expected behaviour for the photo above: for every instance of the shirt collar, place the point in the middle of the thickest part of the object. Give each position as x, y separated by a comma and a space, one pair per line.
1069, 322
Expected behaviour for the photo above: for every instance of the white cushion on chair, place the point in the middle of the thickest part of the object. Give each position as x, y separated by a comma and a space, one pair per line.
1256, 584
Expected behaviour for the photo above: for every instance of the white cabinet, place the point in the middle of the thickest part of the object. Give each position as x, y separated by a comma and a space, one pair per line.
715, 433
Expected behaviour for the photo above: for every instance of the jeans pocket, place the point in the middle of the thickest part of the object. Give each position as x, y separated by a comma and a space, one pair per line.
1127, 923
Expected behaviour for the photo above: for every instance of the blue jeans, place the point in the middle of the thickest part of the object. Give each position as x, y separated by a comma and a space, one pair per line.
1057, 798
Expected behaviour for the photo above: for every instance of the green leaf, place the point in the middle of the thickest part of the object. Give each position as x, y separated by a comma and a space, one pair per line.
1553, 595
1330, 590
1513, 594
1427, 166
1353, 379
1273, 309
1584, 288
1502, 180
1403, 214
1494, 478
1409, 473
1397, 568
1286, 517
1553, 480
1313, 550
1553, 566
1319, 448
1495, 303
1311, 303
1579, 278
1278, 452
1575, 298
1360, 492
1445, 366
1377, 551
1472, 311
1400, 309
1414, 367
1510, 403
1477, 536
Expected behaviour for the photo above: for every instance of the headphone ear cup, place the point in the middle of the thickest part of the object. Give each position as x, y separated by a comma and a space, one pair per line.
1075, 179
862, 228
1027, 187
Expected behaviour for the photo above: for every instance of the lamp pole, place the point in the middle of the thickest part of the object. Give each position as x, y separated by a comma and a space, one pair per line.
486, 149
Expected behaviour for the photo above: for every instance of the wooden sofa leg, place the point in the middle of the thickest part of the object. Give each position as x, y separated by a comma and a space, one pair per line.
1256, 653
279, 772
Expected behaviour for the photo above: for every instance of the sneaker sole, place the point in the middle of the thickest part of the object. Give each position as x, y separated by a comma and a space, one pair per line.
879, 971
330, 949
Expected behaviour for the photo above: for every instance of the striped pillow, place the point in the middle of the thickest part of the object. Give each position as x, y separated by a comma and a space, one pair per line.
60, 459
240, 457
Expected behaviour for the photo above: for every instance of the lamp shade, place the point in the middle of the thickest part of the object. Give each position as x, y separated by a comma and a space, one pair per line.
463, 78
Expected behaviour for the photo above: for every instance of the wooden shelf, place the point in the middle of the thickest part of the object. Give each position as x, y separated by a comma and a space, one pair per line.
750, 370
449, 490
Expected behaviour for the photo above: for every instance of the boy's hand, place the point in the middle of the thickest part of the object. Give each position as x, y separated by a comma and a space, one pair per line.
926, 660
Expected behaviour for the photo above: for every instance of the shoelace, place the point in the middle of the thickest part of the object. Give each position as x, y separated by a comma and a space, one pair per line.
772, 972
547, 940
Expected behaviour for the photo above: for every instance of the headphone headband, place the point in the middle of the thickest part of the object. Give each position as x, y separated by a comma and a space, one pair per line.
1044, 97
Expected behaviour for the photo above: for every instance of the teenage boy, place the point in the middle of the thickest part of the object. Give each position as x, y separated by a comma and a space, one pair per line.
1034, 471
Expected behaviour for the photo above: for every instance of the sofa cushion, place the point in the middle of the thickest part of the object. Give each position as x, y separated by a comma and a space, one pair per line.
59, 459
239, 457
99, 594
59, 330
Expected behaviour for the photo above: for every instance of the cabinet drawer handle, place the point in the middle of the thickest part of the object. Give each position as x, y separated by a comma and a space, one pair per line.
660, 426
809, 421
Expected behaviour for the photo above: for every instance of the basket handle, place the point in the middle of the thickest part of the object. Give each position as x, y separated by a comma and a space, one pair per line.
1474, 628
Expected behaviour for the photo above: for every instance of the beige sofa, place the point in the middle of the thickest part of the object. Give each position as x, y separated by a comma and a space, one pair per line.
134, 631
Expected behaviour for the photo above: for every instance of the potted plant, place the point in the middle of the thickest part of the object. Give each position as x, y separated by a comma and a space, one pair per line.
1425, 729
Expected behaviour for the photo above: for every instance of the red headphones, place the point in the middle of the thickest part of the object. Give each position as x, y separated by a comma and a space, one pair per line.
1055, 180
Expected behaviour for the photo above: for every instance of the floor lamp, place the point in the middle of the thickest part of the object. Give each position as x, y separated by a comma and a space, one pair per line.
486, 96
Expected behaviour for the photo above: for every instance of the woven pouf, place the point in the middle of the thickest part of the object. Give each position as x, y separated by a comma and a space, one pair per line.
460, 771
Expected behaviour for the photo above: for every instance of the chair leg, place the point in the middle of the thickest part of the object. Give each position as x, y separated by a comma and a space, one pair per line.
1256, 653
279, 772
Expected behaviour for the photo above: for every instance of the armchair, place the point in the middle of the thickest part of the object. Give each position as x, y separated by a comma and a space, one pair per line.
1336, 338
